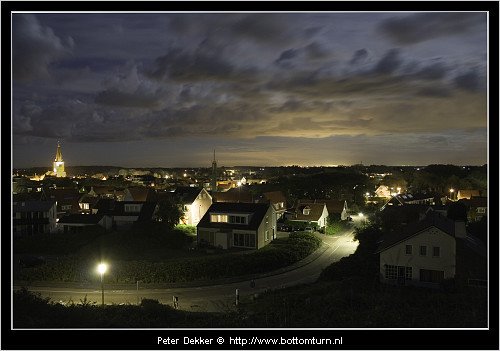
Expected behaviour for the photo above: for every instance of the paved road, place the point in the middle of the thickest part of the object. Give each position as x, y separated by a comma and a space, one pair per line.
214, 298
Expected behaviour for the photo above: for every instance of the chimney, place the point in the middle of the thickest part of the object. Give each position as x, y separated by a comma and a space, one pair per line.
460, 229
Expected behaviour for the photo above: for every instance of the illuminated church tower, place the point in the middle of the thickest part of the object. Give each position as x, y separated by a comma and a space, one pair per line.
213, 184
59, 163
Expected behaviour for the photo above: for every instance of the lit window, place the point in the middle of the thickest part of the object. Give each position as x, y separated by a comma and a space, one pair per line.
267, 235
217, 218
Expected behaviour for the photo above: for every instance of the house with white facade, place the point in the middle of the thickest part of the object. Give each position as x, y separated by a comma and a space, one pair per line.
423, 253
310, 213
242, 225
194, 203
383, 191
277, 199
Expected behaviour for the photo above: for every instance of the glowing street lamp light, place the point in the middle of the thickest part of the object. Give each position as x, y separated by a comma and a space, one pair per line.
101, 268
360, 214
451, 193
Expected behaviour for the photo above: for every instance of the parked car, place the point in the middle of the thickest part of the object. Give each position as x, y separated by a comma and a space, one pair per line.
309, 229
284, 228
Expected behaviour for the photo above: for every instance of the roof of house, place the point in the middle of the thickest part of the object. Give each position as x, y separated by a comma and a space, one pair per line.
433, 219
315, 212
258, 211
233, 196
478, 201
186, 194
105, 206
145, 214
81, 219
92, 200
467, 193
166, 195
33, 206
101, 190
141, 193
31, 196
63, 195
332, 205
274, 196
475, 201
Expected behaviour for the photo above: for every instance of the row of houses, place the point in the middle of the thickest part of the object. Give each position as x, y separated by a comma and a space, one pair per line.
477, 206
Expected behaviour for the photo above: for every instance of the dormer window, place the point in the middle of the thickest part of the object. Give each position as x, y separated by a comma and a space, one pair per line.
218, 218
306, 211
133, 208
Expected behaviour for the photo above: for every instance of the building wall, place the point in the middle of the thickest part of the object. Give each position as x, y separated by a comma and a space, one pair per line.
431, 237
323, 219
35, 227
198, 208
268, 224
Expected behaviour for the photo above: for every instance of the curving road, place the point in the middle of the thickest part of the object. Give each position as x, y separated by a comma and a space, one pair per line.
216, 298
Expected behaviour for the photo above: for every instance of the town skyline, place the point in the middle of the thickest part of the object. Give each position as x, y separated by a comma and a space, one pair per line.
268, 89
243, 165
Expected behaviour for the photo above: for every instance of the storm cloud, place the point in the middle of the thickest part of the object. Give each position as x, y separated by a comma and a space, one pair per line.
243, 79
421, 27
35, 47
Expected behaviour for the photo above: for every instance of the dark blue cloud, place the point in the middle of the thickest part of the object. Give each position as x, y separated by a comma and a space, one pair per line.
421, 27
389, 63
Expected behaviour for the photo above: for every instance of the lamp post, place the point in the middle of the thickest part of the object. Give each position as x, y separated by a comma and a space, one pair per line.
451, 193
101, 268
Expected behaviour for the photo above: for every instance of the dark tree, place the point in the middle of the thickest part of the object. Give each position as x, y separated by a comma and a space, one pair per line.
457, 211
169, 213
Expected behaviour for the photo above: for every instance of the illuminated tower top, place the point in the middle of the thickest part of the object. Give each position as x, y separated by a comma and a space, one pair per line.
58, 164
58, 153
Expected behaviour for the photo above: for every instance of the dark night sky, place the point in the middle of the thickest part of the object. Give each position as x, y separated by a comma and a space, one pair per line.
165, 89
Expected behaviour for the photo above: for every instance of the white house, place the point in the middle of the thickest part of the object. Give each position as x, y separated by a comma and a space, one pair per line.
195, 202
424, 253
311, 213
383, 191
245, 225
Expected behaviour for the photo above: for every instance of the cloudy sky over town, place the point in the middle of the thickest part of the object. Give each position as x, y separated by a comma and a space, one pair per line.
165, 89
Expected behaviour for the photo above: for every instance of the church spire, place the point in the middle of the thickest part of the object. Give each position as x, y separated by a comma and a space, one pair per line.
214, 174
58, 164
58, 153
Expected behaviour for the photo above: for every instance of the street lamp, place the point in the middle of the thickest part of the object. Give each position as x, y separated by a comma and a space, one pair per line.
101, 268
451, 193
